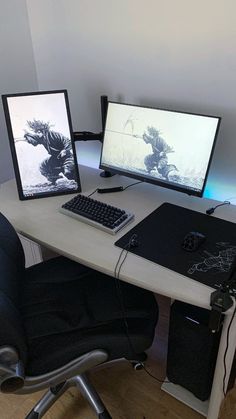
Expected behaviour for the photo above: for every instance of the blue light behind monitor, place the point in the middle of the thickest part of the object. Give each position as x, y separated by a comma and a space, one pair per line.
220, 191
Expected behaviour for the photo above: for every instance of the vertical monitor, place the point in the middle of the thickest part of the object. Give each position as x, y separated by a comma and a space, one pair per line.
41, 140
168, 148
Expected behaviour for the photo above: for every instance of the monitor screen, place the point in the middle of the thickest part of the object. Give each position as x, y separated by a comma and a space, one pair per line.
169, 148
41, 141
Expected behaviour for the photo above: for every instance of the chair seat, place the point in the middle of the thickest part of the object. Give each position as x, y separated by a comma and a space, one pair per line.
60, 319
69, 309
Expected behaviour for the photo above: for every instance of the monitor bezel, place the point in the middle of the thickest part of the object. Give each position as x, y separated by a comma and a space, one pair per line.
20, 189
155, 181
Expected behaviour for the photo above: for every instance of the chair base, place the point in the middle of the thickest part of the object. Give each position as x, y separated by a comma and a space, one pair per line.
32, 415
86, 389
105, 415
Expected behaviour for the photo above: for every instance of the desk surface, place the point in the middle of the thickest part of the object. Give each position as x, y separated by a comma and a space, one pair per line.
40, 220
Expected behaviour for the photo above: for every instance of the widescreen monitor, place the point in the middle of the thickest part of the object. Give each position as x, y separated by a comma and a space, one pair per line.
168, 148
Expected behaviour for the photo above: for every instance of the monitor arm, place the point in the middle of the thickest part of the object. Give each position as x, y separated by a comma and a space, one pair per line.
91, 136
87, 136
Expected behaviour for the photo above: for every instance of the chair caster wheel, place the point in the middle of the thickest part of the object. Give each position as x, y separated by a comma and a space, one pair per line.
137, 366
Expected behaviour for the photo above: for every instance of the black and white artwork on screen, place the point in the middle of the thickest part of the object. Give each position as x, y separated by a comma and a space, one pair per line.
41, 141
168, 148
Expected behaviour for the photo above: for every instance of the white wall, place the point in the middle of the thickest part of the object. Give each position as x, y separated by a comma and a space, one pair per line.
177, 54
17, 69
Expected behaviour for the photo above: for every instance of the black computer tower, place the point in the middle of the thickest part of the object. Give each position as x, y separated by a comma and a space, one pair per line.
192, 349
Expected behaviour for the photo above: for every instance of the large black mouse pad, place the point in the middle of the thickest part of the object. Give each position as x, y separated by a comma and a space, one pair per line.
160, 236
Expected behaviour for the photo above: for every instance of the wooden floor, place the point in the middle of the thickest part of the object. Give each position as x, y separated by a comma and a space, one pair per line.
127, 394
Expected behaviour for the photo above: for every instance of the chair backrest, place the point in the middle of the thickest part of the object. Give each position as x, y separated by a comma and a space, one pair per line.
12, 270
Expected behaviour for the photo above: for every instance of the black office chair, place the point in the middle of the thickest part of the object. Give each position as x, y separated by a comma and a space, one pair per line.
59, 319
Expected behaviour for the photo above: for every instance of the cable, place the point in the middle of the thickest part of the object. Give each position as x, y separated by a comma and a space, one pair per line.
117, 263
119, 291
93, 192
153, 376
227, 201
115, 189
211, 210
132, 184
226, 349
228, 292
231, 198
121, 299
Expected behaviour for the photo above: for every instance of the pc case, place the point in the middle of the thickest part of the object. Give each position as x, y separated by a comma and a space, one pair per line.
192, 349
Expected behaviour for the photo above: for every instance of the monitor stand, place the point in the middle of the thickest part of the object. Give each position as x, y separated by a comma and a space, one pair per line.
106, 173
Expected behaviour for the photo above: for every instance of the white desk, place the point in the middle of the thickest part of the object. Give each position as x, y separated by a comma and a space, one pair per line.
40, 221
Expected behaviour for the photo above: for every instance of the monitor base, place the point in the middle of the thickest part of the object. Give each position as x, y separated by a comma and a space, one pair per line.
106, 173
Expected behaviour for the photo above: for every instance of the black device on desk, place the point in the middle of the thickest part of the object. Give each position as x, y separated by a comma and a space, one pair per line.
192, 241
192, 349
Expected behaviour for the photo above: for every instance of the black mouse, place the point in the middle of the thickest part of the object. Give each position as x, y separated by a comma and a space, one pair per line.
193, 240
134, 241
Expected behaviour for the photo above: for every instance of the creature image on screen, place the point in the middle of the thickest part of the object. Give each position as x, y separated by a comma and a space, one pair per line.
169, 148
